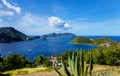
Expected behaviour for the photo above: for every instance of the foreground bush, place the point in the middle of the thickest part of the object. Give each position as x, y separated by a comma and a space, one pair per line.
15, 62
107, 56
42, 60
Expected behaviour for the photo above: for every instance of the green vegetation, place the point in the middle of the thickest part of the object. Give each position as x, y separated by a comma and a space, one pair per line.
102, 55
99, 56
108, 52
102, 40
73, 63
82, 40
47, 63
78, 62
14, 62
77, 66
41, 60
108, 56
96, 41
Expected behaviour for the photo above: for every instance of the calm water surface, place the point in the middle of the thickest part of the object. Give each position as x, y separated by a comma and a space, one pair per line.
51, 46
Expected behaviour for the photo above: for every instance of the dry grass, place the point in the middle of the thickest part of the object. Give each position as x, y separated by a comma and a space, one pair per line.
106, 70
98, 70
27, 71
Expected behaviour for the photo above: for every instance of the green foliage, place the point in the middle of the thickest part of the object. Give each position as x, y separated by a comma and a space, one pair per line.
102, 55
40, 60
98, 56
109, 55
15, 62
82, 40
1, 58
95, 41
47, 62
98, 41
77, 66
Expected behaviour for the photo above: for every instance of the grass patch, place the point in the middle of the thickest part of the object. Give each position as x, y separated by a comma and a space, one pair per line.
27, 71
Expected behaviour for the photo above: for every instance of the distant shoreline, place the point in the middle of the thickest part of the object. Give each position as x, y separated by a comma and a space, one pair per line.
82, 44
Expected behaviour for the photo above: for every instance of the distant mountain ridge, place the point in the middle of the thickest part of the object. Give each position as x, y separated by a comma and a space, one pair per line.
10, 34
59, 35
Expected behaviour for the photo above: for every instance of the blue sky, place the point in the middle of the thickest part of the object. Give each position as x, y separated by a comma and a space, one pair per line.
81, 17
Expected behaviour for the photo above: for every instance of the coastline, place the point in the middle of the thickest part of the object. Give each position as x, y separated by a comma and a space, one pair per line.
83, 44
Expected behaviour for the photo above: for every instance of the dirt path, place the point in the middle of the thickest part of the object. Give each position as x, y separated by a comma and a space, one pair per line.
52, 73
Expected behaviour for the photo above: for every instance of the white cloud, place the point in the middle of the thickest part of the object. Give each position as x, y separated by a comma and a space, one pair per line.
6, 13
31, 20
32, 24
9, 6
56, 22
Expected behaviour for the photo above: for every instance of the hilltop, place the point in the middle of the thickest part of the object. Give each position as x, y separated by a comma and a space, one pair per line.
10, 34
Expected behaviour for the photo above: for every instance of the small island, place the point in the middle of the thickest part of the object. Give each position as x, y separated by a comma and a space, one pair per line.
59, 35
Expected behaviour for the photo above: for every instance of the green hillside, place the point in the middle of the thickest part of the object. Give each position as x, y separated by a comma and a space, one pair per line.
82, 40
95, 41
